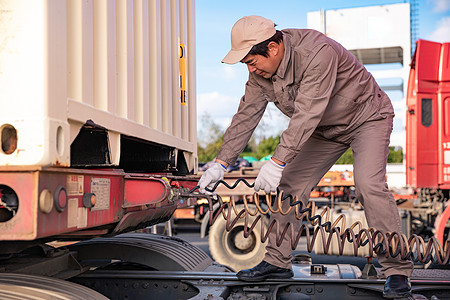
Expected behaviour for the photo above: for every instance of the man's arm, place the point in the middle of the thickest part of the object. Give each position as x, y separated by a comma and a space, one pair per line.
250, 111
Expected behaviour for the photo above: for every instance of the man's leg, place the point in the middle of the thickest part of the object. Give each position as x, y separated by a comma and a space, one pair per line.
299, 178
370, 144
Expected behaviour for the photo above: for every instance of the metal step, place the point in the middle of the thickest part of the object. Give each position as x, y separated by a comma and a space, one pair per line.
433, 274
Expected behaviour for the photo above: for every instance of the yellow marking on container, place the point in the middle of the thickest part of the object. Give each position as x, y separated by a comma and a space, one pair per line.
182, 67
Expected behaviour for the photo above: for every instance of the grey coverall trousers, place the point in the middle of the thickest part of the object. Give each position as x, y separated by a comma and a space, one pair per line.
370, 145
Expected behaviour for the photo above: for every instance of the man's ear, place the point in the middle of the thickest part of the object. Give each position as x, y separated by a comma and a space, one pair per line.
273, 48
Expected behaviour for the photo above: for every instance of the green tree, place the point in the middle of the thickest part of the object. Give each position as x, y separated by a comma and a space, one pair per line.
267, 146
210, 138
209, 152
395, 156
346, 158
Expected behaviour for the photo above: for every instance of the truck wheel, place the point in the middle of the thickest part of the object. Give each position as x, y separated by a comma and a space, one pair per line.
232, 248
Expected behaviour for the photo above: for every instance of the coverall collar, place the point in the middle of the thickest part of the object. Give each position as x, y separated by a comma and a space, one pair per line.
282, 68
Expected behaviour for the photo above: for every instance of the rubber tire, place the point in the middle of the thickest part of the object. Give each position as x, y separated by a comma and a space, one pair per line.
224, 251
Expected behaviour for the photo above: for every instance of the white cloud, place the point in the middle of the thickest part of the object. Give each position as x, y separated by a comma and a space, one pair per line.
272, 123
442, 32
229, 73
441, 5
217, 102
218, 106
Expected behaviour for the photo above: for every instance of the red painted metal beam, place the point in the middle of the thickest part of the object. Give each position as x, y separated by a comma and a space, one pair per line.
140, 191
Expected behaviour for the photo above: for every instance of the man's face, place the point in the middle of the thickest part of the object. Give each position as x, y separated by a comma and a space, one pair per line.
260, 65
265, 66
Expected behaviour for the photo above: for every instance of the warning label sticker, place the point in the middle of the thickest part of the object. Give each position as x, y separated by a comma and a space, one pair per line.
101, 188
75, 185
76, 216
72, 212
82, 217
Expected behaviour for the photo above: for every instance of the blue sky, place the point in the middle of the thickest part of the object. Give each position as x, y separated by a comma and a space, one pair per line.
220, 86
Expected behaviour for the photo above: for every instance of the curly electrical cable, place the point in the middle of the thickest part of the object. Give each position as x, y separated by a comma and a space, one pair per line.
389, 244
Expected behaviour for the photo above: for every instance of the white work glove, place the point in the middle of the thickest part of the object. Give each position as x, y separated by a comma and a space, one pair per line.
210, 177
269, 177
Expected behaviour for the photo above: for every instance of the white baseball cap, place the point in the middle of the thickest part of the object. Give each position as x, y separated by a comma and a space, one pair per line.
247, 32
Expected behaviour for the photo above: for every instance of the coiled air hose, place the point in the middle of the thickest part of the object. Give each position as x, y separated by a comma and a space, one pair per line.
390, 244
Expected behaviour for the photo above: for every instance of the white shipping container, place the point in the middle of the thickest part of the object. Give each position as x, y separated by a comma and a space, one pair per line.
128, 66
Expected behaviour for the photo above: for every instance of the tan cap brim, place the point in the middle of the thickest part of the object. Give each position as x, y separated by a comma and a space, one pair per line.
235, 56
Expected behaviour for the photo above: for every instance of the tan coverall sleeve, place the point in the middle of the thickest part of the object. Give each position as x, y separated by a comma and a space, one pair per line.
250, 111
310, 103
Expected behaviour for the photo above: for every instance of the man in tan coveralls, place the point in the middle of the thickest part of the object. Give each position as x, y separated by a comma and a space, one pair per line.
333, 103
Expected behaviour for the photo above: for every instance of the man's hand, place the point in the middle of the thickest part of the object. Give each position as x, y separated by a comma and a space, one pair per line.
269, 177
210, 177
